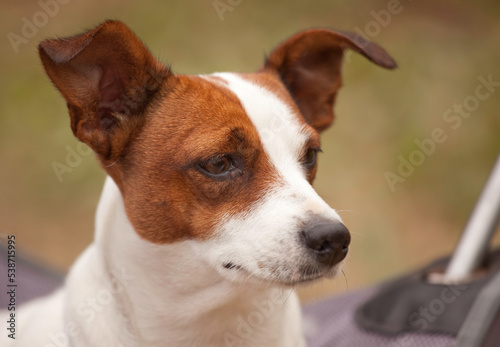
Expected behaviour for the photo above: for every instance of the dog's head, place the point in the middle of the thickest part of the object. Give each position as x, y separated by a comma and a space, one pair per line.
224, 160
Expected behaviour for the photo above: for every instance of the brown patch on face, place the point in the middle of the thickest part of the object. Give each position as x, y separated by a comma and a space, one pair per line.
167, 196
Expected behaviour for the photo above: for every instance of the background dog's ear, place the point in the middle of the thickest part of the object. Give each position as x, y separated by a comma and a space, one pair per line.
108, 77
309, 64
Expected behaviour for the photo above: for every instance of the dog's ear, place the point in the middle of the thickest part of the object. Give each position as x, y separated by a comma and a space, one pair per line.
309, 65
108, 78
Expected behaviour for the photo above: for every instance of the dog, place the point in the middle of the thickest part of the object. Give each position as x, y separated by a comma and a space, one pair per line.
208, 218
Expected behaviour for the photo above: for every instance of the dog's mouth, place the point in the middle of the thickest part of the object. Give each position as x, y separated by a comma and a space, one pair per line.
303, 276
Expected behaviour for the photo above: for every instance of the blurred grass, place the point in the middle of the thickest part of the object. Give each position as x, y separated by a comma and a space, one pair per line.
441, 47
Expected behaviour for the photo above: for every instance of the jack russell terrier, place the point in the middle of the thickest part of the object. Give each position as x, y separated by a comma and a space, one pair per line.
208, 219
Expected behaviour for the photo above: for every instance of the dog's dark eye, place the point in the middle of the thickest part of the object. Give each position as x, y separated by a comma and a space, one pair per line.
310, 157
217, 166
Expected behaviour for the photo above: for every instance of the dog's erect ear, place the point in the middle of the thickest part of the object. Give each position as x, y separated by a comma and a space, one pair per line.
309, 64
108, 78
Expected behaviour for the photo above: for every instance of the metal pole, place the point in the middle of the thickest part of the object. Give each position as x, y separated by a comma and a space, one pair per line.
481, 226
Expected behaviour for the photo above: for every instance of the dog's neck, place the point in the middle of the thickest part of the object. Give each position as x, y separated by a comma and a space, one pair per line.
167, 293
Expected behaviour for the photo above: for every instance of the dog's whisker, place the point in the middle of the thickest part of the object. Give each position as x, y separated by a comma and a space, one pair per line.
350, 211
345, 278
113, 163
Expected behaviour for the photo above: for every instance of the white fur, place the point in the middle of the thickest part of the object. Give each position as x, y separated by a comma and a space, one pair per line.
126, 291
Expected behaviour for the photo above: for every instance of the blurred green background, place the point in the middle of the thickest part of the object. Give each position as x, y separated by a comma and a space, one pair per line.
442, 48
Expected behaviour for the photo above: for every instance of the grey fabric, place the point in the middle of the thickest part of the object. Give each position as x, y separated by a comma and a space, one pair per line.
493, 336
330, 323
411, 303
481, 316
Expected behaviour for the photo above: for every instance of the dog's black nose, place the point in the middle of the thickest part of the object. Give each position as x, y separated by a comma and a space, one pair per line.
328, 242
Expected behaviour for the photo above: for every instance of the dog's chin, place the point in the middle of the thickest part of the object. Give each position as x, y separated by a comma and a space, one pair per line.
309, 277
301, 276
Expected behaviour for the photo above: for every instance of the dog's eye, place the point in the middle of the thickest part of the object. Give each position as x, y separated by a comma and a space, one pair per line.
217, 166
310, 157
